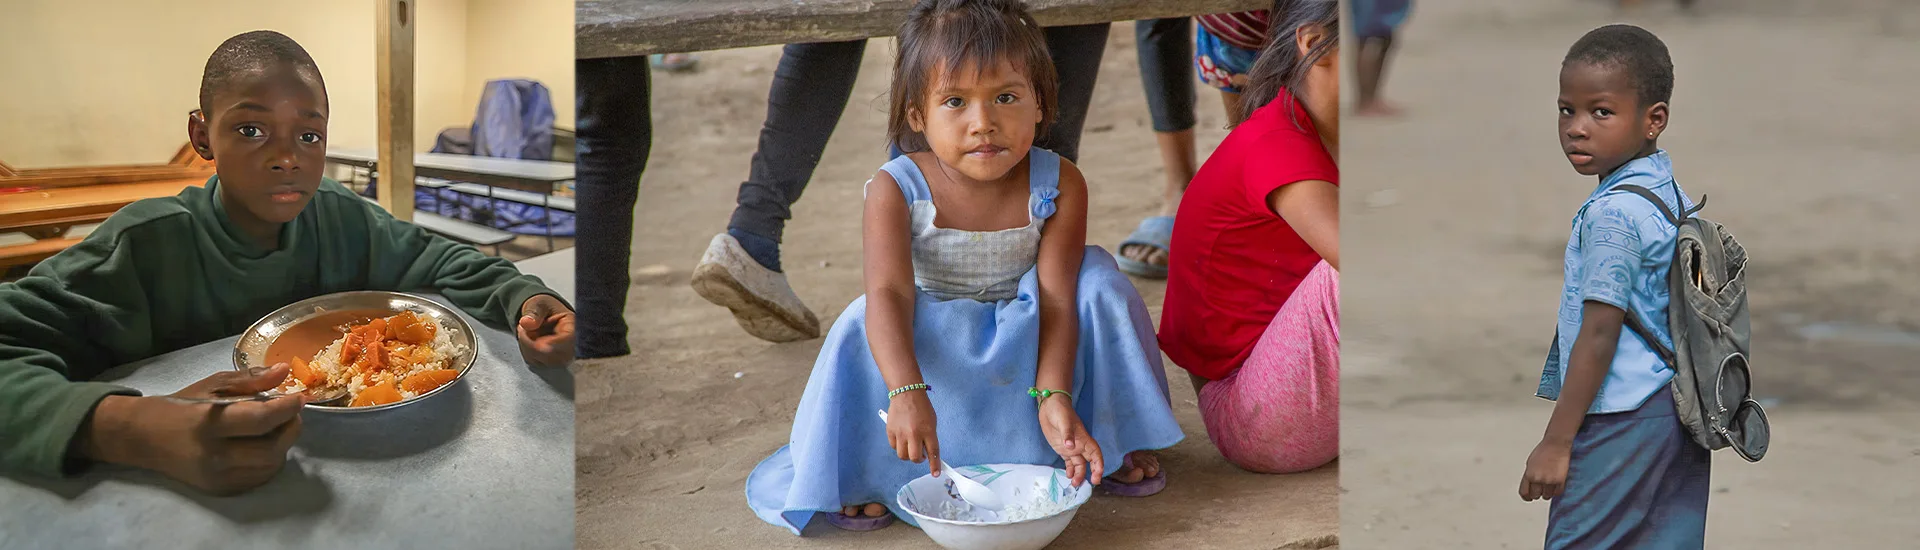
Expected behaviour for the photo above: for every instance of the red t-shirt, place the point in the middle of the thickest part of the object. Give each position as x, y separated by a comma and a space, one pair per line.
1234, 261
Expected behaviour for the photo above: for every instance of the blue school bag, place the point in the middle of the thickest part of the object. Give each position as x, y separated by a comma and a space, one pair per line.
515, 120
1707, 316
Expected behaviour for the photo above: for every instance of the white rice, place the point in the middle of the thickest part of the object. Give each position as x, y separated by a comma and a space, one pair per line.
328, 362
1037, 504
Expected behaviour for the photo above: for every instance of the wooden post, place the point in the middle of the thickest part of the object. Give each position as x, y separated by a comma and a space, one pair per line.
393, 36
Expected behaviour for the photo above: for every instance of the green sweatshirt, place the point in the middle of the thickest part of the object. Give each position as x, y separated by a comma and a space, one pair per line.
171, 273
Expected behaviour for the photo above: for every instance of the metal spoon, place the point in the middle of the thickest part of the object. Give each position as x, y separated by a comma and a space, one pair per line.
971, 491
329, 397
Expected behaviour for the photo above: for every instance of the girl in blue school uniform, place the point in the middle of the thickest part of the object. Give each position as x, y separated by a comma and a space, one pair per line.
1615, 461
989, 332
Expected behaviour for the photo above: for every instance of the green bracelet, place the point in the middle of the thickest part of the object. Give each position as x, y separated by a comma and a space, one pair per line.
1040, 395
908, 388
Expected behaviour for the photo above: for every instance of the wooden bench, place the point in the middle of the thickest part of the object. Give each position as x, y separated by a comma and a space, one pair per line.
68, 206
470, 233
59, 198
620, 28
185, 164
563, 204
33, 252
461, 231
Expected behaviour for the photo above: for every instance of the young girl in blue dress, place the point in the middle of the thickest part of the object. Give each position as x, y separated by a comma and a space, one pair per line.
983, 304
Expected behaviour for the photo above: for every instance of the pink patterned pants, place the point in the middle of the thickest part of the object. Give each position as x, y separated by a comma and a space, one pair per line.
1280, 411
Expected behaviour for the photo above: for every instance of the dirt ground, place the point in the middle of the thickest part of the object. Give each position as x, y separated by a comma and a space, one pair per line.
1795, 118
667, 436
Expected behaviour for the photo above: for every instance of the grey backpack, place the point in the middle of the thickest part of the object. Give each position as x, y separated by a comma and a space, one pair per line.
1707, 316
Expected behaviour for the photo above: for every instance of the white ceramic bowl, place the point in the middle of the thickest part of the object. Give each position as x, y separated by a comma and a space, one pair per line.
1014, 483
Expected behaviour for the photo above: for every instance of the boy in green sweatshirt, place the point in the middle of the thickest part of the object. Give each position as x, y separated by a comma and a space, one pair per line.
164, 274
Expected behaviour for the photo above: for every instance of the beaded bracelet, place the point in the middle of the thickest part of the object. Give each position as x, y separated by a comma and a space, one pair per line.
1040, 395
908, 388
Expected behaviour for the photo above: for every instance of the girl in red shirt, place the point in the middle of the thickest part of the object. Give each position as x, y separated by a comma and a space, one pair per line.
1252, 309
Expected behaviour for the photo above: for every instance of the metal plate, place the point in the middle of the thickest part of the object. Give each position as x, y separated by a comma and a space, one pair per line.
254, 342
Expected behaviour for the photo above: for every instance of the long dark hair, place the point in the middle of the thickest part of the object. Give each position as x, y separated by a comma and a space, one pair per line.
1281, 66
944, 36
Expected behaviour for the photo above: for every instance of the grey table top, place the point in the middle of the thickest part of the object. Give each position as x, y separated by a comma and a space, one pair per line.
486, 464
455, 166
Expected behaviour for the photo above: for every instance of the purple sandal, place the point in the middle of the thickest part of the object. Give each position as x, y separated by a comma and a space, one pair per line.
861, 523
1145, 487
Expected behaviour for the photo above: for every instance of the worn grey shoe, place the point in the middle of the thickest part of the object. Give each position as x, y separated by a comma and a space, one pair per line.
760, 298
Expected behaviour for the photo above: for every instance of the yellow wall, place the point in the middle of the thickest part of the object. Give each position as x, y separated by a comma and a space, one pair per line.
521, 39
111, 81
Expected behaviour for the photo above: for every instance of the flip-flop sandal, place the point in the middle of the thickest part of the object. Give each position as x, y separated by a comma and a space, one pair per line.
1155, 232
1145, 487
862, 523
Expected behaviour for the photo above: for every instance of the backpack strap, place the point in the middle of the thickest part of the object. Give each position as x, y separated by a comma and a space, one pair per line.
1678, 203
1646, 335
1661, 205
1633, 321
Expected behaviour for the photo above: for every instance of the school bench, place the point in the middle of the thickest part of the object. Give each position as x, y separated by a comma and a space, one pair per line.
186, 163
45, 203
524, 181
470, 233
620, 28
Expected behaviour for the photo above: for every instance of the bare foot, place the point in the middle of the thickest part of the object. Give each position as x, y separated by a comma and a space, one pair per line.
1146, 464
1147, 254
871, 509
1378, 108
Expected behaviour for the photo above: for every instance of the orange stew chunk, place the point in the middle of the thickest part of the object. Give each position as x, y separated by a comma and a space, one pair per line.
410, 328
426, 380
306, 375
380, 394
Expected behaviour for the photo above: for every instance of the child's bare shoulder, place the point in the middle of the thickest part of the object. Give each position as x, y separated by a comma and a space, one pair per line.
1070, 176
884, 181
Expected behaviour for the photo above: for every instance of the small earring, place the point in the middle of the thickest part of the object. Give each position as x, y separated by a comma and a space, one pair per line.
1649, 135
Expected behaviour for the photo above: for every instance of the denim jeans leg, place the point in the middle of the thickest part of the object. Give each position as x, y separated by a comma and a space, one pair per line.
1076, 56
810, 90
614, 137
1166, 71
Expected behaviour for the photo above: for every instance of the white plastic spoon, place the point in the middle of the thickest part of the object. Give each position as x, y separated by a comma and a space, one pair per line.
971, 491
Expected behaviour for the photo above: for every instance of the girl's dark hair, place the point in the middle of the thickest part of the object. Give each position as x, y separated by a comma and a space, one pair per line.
942, 37
1281, 65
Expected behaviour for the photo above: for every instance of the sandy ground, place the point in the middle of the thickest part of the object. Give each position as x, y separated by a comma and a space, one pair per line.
667, 436
1794, 117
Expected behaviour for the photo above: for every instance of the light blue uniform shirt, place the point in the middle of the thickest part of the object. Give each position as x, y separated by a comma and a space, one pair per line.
1618, 254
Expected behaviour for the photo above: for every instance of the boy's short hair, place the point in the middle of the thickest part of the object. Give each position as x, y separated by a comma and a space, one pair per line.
1641, 54
252, 51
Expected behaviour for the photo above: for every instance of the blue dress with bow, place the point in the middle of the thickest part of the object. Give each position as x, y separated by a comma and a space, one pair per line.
976, 327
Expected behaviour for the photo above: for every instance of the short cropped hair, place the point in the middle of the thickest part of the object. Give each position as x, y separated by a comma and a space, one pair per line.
250, 52
1632, 49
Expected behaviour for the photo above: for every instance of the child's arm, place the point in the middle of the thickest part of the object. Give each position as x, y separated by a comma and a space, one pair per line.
886, 242
1312, 209
88, 309
1592, 356
405, 257
45, 347
1611, 265
1063, 245
1300, 187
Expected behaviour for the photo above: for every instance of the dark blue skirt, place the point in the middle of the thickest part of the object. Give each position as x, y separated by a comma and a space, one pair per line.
1637, 480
